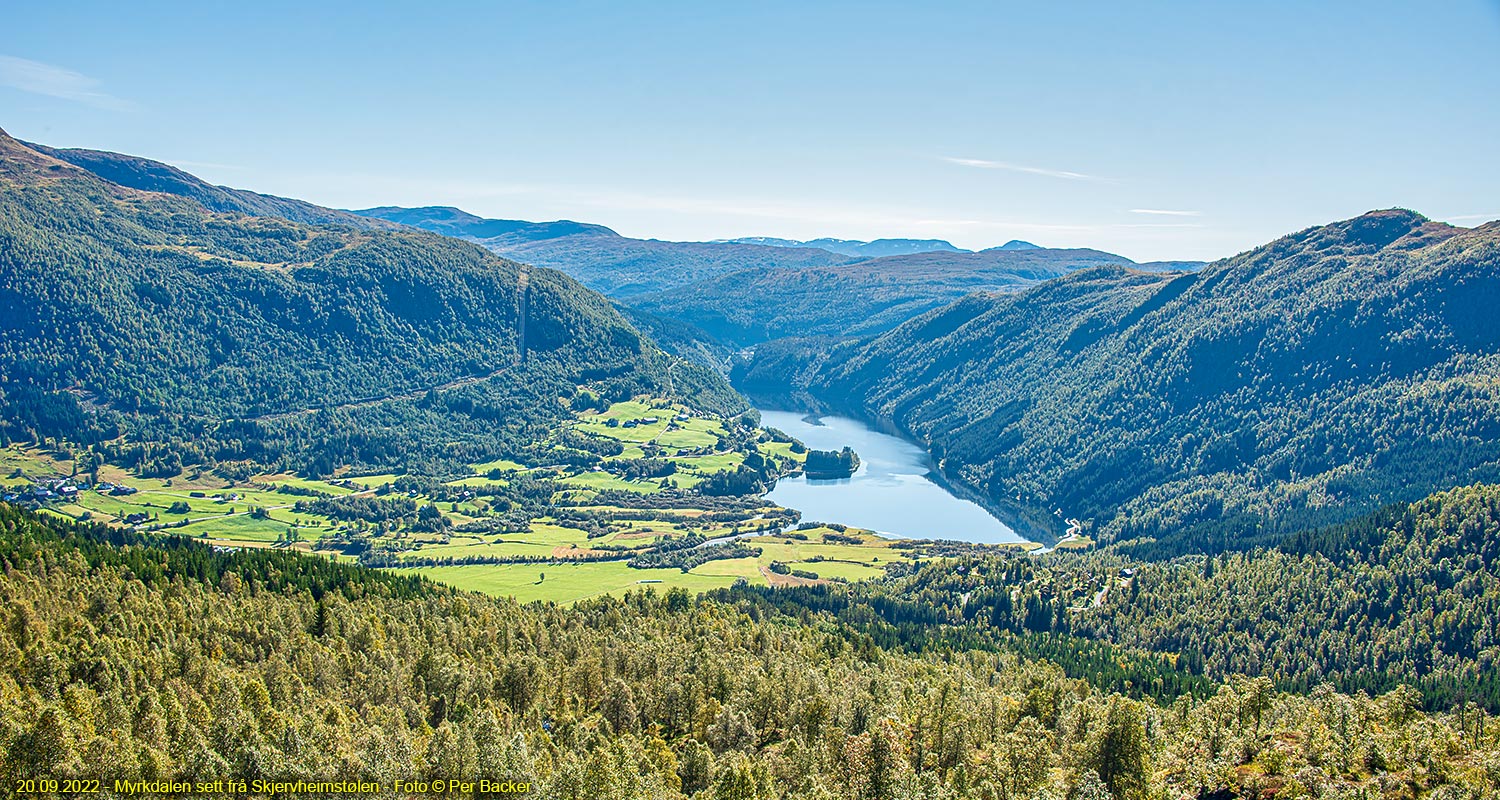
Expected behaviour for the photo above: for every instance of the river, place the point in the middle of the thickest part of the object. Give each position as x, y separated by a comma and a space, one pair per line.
891, 492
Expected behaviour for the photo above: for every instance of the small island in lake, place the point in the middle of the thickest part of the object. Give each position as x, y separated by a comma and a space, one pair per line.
831, 463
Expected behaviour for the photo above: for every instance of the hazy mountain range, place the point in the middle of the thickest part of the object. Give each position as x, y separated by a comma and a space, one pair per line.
602, 259
750, 290
875, 249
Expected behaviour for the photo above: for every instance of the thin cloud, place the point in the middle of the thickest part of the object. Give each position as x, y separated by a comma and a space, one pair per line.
981, 163
1494, 215
53, 81
1163, 212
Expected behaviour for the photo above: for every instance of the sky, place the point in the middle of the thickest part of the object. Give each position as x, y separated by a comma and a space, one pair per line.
1157, 130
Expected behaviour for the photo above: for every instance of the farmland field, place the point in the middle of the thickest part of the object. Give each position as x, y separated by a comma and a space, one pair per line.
506, 522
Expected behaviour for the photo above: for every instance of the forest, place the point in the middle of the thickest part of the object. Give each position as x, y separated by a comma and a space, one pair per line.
830, 463
127, 656
1405, 596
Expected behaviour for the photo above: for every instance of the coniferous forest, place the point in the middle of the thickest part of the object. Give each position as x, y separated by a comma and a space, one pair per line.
128, 657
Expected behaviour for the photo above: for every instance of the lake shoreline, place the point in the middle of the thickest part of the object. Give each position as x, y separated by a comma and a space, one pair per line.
897, 491
1032, 524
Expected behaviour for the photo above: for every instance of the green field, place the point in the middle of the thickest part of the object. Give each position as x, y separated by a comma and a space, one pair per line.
716, 462
699, 446
840, 561
604, 480
242, 527
503, 464
566, 583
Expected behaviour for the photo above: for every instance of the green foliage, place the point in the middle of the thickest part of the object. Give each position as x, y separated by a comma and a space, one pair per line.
831, 463
1302, 383
1409, 595
137, 658
215, 338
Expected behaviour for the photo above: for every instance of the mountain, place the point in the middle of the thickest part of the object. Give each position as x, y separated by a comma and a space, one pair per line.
682, 339
153, 176
753, 306
601, 259
878, 248
1300, 383
858, 249
451, 221
208, 337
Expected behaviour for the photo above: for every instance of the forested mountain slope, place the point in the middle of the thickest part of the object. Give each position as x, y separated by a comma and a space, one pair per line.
603, 260
1410, 595
756, 305
153, 176
139, 658
218, 336
1407, 595
1300, 383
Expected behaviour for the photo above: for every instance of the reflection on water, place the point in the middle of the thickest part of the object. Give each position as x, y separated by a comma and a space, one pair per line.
890, 492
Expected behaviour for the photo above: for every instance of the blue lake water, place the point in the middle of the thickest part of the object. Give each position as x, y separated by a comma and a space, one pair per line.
890, 493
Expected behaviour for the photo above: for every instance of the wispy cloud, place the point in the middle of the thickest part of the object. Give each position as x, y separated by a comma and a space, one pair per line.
1490, 216
1163, 212
981, 163
53, 81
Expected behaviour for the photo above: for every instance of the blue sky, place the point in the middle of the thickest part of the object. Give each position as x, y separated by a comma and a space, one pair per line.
1156, 130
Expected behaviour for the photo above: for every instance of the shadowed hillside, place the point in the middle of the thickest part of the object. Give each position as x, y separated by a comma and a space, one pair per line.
208, 337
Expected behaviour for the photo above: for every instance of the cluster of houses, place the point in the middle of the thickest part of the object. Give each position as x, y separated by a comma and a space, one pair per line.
633, 423
61, 490
66, 490
226, 497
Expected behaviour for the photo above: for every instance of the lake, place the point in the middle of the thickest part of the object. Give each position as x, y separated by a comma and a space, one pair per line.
890, 493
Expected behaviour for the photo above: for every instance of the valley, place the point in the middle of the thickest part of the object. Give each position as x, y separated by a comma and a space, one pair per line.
293, 491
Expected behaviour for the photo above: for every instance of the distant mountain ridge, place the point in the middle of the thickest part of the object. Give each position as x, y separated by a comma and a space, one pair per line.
878, 248
601, 259
854, 247
867, 297
750, 290
451, 221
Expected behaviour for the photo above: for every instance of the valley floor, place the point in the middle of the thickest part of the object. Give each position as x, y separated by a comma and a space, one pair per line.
557, 532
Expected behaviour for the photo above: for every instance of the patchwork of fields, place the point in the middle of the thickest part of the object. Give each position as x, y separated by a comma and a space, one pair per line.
618, 511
